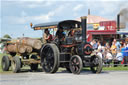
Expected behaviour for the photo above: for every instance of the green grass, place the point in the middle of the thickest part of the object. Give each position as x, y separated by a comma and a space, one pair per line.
119, 68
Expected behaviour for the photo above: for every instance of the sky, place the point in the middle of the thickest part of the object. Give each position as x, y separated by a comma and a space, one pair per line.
16, 15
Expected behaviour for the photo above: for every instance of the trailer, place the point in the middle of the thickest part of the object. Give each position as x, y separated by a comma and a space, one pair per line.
20, 53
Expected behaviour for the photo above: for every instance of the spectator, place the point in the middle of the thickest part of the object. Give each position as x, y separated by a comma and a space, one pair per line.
126, 51
91, 42
118, 59
117, 43
95, 45
114, 40
108, 58
113, 50
107, 47
122, 45
99, 45
125, 54
99, 53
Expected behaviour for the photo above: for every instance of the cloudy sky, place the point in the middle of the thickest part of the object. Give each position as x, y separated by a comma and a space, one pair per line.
16, 15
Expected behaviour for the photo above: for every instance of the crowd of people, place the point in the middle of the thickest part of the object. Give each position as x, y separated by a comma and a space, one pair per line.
115, 51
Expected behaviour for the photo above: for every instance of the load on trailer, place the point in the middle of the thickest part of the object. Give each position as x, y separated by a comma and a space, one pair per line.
21, 52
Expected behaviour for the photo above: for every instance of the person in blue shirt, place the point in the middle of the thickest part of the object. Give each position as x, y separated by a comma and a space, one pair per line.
95, 45
124, 52
118, 45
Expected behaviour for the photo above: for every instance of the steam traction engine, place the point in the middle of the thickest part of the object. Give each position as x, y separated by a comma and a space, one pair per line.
73, 53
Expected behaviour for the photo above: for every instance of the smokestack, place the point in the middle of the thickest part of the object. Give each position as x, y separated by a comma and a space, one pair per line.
88, 11
84, 28
123, 18
118, 22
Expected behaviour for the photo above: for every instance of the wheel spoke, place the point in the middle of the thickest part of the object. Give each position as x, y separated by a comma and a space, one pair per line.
73, 63
77, 68
73, 68
74, 60
76, 64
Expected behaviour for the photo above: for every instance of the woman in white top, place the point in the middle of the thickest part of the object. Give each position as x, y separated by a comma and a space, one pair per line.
108, 58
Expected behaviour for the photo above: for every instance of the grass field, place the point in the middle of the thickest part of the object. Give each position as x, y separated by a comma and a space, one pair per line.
119, 68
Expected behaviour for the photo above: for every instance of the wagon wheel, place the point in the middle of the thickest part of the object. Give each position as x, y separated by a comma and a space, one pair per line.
76, 64
97, 65
16, 64
5, 63
50, 58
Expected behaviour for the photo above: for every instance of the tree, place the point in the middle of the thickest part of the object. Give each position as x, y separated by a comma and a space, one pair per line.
7, 36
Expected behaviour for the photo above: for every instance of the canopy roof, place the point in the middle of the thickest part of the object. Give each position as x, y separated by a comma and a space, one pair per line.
46, 24
66, 24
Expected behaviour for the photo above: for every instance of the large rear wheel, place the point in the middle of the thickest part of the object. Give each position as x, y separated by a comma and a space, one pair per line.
50, 58
97, 65
76, 64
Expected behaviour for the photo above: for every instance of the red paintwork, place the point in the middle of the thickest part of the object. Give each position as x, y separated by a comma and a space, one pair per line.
68, 46
109, 25
110, 28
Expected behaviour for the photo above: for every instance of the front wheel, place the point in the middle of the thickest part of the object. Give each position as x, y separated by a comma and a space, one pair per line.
76, 64
97, 65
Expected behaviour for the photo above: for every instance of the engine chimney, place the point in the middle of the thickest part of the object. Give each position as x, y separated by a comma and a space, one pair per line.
118, 22
88, 11
84, 28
